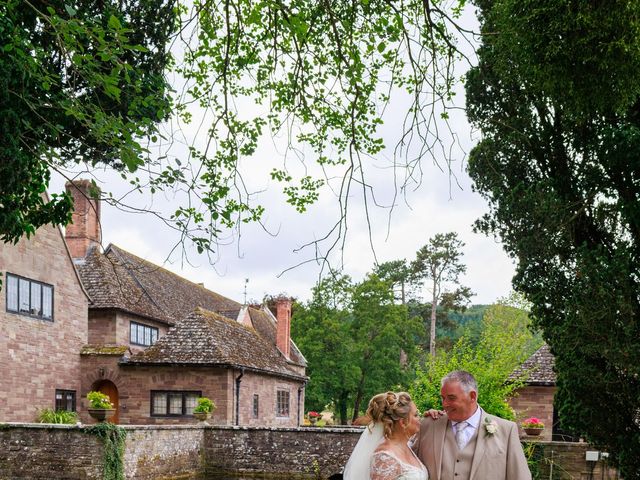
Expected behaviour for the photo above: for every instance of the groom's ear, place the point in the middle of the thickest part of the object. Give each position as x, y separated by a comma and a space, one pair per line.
474, 395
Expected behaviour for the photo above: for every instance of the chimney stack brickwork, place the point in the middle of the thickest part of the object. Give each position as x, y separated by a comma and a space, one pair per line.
84, 230
283, 334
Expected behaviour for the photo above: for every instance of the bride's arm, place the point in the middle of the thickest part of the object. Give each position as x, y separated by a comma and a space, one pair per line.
384, 467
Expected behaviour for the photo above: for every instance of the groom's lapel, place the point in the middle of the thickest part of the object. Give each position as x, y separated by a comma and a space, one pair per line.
439, 432
480, 444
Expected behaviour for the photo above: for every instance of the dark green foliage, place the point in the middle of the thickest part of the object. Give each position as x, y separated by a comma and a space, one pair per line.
113, 437
557, 97
353, 337
79, 81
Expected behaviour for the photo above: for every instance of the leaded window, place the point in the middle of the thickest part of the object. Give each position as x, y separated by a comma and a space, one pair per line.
256, 405
66, 400
29, 297
173, 403
144, 335
282, 404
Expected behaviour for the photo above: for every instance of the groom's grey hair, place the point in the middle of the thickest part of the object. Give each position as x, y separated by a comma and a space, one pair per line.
466, 380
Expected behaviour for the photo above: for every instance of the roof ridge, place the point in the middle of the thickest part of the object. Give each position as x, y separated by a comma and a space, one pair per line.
180, 277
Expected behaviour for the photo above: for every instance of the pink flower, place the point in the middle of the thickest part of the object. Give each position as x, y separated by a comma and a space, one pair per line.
532, 422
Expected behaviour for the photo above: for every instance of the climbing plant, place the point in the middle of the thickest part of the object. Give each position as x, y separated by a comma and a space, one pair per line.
113, 438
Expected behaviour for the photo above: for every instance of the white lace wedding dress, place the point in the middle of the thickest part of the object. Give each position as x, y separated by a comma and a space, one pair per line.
386, 466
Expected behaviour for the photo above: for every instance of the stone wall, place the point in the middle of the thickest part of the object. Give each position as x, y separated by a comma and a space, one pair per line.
154, 452
49, 451
565, 460
535, 401
294, 451
29, 451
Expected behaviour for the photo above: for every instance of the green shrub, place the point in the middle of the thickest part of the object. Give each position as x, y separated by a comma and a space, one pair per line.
99, 400
205, 405
49, 415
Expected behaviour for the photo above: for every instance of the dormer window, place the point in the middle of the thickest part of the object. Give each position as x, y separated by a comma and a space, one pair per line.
143, 335
29, 297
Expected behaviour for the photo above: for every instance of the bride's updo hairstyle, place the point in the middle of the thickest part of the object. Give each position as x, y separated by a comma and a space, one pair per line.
388, 408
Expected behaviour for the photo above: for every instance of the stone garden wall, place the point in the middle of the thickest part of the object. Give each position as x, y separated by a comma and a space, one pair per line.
296, 451
39, 452
29, 451
155, 452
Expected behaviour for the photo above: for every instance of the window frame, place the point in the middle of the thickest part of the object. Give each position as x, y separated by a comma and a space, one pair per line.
280, 412
42, 287
256, 405
64, 393
184, 393
145, 327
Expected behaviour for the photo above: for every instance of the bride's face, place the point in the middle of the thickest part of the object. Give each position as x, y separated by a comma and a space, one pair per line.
413, 421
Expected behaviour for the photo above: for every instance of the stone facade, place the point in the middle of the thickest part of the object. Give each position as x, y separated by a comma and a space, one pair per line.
39, 356
535, 401
134, 384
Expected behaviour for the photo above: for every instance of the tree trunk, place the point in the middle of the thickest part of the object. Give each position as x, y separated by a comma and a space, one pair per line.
434, 306
356, 403
342, 408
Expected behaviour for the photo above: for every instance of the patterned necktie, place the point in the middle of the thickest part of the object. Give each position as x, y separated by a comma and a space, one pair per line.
460, 438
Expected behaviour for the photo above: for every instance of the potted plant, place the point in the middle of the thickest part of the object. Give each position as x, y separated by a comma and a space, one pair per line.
532, 426
100, 406
203, 408
313, 417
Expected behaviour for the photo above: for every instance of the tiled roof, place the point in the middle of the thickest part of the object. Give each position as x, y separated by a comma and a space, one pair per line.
539, 367
119, 279
207, 338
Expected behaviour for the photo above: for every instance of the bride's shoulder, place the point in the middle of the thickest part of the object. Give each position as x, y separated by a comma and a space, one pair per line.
383, 452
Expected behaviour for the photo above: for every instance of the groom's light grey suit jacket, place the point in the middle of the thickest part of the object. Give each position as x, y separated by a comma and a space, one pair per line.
497, 456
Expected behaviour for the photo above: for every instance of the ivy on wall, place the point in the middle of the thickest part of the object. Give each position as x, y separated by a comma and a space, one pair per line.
113, 437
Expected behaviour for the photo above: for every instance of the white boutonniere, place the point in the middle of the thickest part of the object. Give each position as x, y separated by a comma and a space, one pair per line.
490, 426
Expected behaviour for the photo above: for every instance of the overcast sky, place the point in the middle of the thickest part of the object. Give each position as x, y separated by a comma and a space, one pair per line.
266, 254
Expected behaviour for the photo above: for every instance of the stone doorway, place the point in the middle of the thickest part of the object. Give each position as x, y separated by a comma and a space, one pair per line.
109, 388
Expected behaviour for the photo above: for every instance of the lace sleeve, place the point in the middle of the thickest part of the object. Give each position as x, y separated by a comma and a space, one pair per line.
384, 467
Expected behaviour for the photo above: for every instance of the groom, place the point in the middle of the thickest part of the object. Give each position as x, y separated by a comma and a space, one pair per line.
467, 443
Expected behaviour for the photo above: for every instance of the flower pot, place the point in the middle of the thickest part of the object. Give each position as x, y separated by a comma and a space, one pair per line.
201, 416
101, 414
533, 431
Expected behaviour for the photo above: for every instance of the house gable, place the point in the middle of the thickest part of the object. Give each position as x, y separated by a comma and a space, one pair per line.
40, 355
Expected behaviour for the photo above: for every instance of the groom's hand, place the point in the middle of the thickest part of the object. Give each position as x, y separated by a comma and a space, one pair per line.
434, 414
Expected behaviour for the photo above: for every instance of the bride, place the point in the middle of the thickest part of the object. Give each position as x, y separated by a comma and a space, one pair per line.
383, 453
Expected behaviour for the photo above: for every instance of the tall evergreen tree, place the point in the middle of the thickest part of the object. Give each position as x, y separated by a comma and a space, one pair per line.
556, 95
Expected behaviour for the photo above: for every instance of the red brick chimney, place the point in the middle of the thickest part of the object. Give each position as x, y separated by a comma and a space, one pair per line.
84, 230
283, 315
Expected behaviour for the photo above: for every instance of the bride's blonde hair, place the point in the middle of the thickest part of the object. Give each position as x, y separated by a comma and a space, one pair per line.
389, 407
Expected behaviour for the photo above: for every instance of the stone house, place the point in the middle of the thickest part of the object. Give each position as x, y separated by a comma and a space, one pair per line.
154, 341
43, 326
536, 397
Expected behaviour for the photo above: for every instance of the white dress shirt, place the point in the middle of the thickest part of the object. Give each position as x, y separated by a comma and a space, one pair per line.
473, 422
